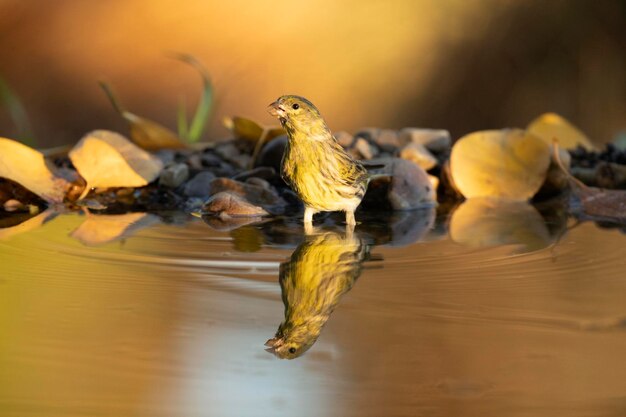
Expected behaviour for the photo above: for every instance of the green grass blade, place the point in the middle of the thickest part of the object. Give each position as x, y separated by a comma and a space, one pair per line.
205, 106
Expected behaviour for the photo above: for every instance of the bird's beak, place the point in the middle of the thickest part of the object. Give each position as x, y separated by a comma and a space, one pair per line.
274, 342
276, 110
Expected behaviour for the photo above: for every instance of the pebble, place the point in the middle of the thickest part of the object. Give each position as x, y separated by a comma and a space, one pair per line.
165, 155
210, 160
363, 150
174, 175
419, 155
226, 204
266, 173
227, 150
271, 154
344, 138
435, 140
405, 186
260, 182
200, 185
386, 139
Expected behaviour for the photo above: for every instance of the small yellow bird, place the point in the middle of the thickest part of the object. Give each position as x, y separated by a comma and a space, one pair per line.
321, 270
316, 167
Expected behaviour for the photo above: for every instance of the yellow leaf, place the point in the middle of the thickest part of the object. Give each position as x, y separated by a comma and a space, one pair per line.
150, 135
144, 132
551, 126
482, 222
251, 130
27, 167
506, 163
107, 159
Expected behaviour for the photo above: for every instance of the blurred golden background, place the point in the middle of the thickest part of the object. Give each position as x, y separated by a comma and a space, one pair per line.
455, 64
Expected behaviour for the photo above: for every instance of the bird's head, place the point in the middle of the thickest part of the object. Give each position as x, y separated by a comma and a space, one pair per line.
298, 114
292, 342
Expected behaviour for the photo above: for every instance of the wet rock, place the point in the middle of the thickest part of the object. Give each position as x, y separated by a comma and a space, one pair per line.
195, 162
435, 140
227, 150
241, 161
362, 149
419, 155
401, 185
266, 173
384, 138
253, 193
200, 185
610, 175
165, 155
344, 138
272, 154
227, 205
210, 160
260, 182
174, 175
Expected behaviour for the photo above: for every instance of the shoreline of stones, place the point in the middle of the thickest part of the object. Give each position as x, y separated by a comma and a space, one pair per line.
220, 179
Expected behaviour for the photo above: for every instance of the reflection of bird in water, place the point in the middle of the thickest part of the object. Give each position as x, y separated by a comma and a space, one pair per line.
320, 271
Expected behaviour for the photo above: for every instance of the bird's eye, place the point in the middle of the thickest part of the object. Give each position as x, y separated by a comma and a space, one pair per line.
296, 106
293, 349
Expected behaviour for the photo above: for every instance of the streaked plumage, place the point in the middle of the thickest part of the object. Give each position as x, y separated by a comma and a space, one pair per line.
320, 271
316, 167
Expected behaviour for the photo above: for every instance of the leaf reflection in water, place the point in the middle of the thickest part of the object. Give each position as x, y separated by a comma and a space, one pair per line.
320, 271
103, 228
481, 222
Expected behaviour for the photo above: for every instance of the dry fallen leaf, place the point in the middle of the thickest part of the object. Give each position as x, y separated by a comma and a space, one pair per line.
551, 126
484, 221
506, 163
101, 229
252, 131
150, 135
249, 129
27, 167
145, 133
107, 159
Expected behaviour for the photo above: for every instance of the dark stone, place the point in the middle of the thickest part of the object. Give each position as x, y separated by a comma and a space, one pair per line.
271, 154
266, 173
165, 155
259, 182
227, 151
210, 160
400, 185
174, 175
200, 185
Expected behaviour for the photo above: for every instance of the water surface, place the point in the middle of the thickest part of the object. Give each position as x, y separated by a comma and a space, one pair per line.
162, 315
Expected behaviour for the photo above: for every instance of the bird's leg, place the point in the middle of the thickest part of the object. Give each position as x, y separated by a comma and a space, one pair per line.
308, 215
350, 218
308, 220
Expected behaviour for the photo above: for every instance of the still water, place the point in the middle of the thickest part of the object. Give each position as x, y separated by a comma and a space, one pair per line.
505, 311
